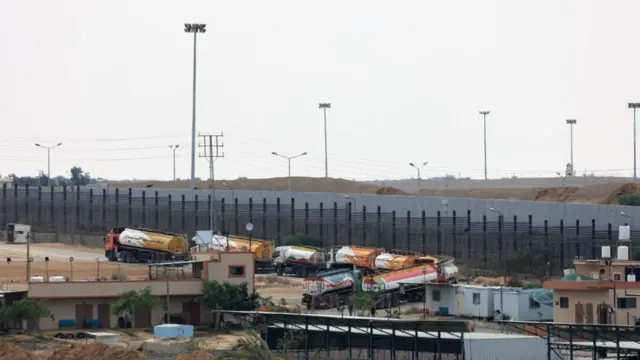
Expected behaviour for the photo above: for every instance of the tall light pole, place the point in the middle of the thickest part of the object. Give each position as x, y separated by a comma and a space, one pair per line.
195, 29
634, 106
324, 107
289, 158
572, 122
418, 168
484, 118
174, 148
48, 148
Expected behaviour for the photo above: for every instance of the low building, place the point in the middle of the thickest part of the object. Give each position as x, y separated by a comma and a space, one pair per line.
82, 304
480, 301
602, 291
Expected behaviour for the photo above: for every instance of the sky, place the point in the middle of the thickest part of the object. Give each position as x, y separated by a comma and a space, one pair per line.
112, 81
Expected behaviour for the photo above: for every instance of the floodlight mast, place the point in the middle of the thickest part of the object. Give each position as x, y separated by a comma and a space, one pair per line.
484, 118
634, 106
572, 122
195, 29
48, 148
324, 107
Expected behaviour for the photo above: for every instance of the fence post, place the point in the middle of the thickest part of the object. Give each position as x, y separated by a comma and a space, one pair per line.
16, 214
236, 226
593, 239
515, 233
562, 244
484, 240
364, 226
438, 233
335, 223
468, 231
349, 225
530, 232
64, 207
170, 212
500, 247
409, 231
321, 227
104, 209
117, 208
144, 208
264, 218
157, 210
223, 214
251, 210
306, 219
394, 244
292, 217
196, 212
424, 232
183, 215
26, 204
546, 244
39, 205
4, 206
278, 230
130, 206
79, 219
454, 238
91, 209
578, 253
379, 225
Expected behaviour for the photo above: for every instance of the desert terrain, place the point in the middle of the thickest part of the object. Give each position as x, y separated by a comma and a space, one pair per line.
598, 193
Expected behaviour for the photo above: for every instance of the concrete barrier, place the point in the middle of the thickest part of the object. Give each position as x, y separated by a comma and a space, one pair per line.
88, 240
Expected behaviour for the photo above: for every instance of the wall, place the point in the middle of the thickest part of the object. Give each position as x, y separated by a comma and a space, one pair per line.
482, 310
527, 313
220, 270
533, 234
105, 289
447, 298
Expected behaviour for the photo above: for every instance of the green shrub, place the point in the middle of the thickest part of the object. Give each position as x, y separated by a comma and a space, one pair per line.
629, 199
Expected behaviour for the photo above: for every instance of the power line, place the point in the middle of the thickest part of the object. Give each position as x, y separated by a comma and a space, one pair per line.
94, 139
212, 143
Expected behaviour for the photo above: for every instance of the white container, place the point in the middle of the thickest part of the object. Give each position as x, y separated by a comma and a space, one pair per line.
606, 252
631, 278
173, 331
37, 279
56, 278
623, 252
105, 337
624, 233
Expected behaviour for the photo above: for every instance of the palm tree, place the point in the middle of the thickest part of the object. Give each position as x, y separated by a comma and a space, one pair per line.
250, 347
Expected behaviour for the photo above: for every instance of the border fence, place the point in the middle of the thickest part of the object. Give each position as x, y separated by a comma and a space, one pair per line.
508, 244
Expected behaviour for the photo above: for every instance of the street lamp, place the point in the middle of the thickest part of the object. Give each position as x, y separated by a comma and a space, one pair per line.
289, 158
233, 195
195, 29
324, 107
628, 217
504, 278
484, 117
418, 168
351, 198
174, 148
634, 106
572, 122
48, 148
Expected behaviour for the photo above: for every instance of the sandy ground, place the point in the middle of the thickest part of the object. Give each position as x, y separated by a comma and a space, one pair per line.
87, 263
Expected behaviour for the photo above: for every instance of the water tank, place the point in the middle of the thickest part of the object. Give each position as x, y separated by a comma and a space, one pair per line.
606, 252
36, 279
624, 233
631, 278
56, 278
623, 252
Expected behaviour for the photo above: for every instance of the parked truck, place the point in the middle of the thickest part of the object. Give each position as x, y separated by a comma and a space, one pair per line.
363, 258
387, 288
262, 249
136, 245
299, 260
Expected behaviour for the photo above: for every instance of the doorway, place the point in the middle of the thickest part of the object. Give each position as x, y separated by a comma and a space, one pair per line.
104, 315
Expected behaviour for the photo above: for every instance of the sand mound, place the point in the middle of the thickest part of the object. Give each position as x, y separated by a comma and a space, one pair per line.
12, 352
196, 355
629, 188
557, 194
387, 190
96, 351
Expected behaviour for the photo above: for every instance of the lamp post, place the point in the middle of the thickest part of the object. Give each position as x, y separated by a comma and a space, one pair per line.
484, 118
289, 158
634, 106
324, 107
572, 122
418, 168
233, 195
504, 270
174, 148
564, 199
48, 148
195, 29
628, 217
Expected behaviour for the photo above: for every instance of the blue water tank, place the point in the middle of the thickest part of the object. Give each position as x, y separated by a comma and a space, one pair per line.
172, 331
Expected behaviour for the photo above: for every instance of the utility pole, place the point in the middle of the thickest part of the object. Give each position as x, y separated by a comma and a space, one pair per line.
48, 148
572, 122
324, 107
212, 144
484, 116
195, 29
419, 168
174, 148
634, 106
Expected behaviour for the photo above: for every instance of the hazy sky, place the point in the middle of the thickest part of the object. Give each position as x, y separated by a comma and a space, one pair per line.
112, 81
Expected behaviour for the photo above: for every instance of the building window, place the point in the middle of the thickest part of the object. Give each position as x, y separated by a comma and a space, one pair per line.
627, 303
616, 276
435, 295
236, 270
564, 302
476, 298
533, 304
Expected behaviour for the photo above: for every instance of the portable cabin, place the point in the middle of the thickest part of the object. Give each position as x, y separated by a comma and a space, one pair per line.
519, 305
475, 301
18, 233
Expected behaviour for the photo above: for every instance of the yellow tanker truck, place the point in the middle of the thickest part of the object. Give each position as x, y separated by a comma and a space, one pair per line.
136, 245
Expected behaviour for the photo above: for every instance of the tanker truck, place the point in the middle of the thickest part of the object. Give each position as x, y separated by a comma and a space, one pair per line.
299, 260
262, 249
363, 258
136, 245
330, 288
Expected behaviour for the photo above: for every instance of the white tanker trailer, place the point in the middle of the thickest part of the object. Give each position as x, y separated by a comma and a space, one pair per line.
299, 260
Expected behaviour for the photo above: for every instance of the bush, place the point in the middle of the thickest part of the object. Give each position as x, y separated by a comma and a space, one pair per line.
629, 199
118, 276
302, 240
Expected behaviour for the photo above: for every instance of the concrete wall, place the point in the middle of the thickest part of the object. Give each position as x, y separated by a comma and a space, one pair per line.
105, 289
92, 241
